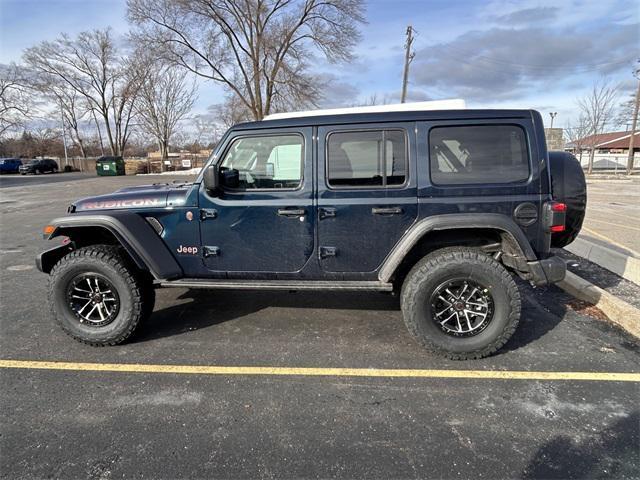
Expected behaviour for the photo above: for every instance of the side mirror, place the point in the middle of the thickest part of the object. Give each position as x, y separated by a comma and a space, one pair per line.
212, 179
230, 177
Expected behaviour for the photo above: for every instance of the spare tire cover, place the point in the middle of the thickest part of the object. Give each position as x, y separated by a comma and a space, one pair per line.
568, 186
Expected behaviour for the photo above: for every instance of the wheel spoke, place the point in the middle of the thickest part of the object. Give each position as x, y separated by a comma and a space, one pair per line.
483, 305
448, 318
480, 314
449, 292
471, 295
444, 300
100, 311
81, 298
85, 306
447, 308
88, 316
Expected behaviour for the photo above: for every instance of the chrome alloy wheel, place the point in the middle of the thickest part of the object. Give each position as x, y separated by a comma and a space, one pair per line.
461, 307
93, 299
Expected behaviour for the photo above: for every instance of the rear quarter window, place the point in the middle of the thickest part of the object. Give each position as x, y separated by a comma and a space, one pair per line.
475, 154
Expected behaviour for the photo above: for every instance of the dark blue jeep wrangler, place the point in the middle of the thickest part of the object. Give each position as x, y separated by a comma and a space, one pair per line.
444, 207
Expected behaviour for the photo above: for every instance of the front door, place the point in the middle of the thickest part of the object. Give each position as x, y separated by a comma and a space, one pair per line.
367, 194
264, 221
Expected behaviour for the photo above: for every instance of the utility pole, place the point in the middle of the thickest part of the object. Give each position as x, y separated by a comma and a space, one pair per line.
553, 116
634, 122
408, 56
64, 136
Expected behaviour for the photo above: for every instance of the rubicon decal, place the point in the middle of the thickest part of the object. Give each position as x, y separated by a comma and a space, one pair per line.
129, 203
182, 250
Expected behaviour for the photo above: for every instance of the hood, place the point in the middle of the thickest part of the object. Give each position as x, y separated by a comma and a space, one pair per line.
142, 196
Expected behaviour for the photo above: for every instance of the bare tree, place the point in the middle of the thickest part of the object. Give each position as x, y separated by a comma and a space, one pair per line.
206, 131
64, 99
258, 49
165, 97
597, 108
624, 115
577, 133
15, 101
92, 66
230, 112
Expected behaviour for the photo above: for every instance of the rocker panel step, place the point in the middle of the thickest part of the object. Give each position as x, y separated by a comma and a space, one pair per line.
279, 284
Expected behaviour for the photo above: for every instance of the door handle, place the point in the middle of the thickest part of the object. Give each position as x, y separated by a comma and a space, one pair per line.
291, 212
386, 210
327, 212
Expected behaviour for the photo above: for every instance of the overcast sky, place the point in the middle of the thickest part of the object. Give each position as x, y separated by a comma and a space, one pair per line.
502, 53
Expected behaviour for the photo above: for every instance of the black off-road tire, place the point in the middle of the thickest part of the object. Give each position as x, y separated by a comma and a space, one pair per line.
459, 262
136, 296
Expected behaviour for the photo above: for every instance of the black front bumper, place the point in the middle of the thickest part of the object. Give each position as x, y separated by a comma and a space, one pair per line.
47, 259
547, 271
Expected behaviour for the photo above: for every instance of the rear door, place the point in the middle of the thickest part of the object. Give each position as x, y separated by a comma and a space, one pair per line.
366, 193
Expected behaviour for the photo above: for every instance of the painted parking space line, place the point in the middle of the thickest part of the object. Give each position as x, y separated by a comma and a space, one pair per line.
629, 227
318, 372
610, 240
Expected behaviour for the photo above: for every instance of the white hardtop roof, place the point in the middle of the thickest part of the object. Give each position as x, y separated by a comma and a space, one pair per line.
452, 104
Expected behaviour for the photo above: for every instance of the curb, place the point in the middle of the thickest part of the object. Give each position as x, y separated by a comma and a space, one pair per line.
618, 311
626, 266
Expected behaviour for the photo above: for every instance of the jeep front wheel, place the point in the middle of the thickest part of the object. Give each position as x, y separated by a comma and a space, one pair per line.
460, 303
97, 297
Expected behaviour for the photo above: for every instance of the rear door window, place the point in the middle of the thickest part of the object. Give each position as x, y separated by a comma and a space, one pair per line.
478, 154
368, 158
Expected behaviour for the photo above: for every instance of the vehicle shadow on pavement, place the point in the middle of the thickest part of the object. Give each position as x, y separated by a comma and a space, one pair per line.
543, 310
610, 453
213, 307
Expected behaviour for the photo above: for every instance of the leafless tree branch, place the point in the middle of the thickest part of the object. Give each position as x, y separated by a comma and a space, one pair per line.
258, 49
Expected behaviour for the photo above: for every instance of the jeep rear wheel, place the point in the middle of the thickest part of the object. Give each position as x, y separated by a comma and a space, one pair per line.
460, 303
97, 297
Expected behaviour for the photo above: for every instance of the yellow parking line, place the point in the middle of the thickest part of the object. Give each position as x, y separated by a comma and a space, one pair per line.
610, 240
614, 224
320, 372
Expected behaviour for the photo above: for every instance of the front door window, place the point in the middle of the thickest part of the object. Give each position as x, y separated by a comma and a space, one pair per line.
266, 162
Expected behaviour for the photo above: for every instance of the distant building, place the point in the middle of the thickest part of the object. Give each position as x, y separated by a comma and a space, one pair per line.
613, 143
158, 156
555, 138
611, 150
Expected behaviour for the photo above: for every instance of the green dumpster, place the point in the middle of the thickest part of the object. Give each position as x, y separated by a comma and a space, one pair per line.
110, 166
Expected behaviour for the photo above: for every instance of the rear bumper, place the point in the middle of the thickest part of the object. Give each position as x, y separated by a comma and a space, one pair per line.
547, 271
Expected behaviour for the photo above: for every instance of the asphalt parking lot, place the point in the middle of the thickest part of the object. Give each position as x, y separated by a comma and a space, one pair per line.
249, 412
613, 216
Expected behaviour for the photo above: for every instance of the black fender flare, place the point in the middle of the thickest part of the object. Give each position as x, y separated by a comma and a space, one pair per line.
450, 222
132, 231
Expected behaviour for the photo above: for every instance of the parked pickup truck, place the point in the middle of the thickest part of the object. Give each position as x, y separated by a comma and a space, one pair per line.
444, 207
